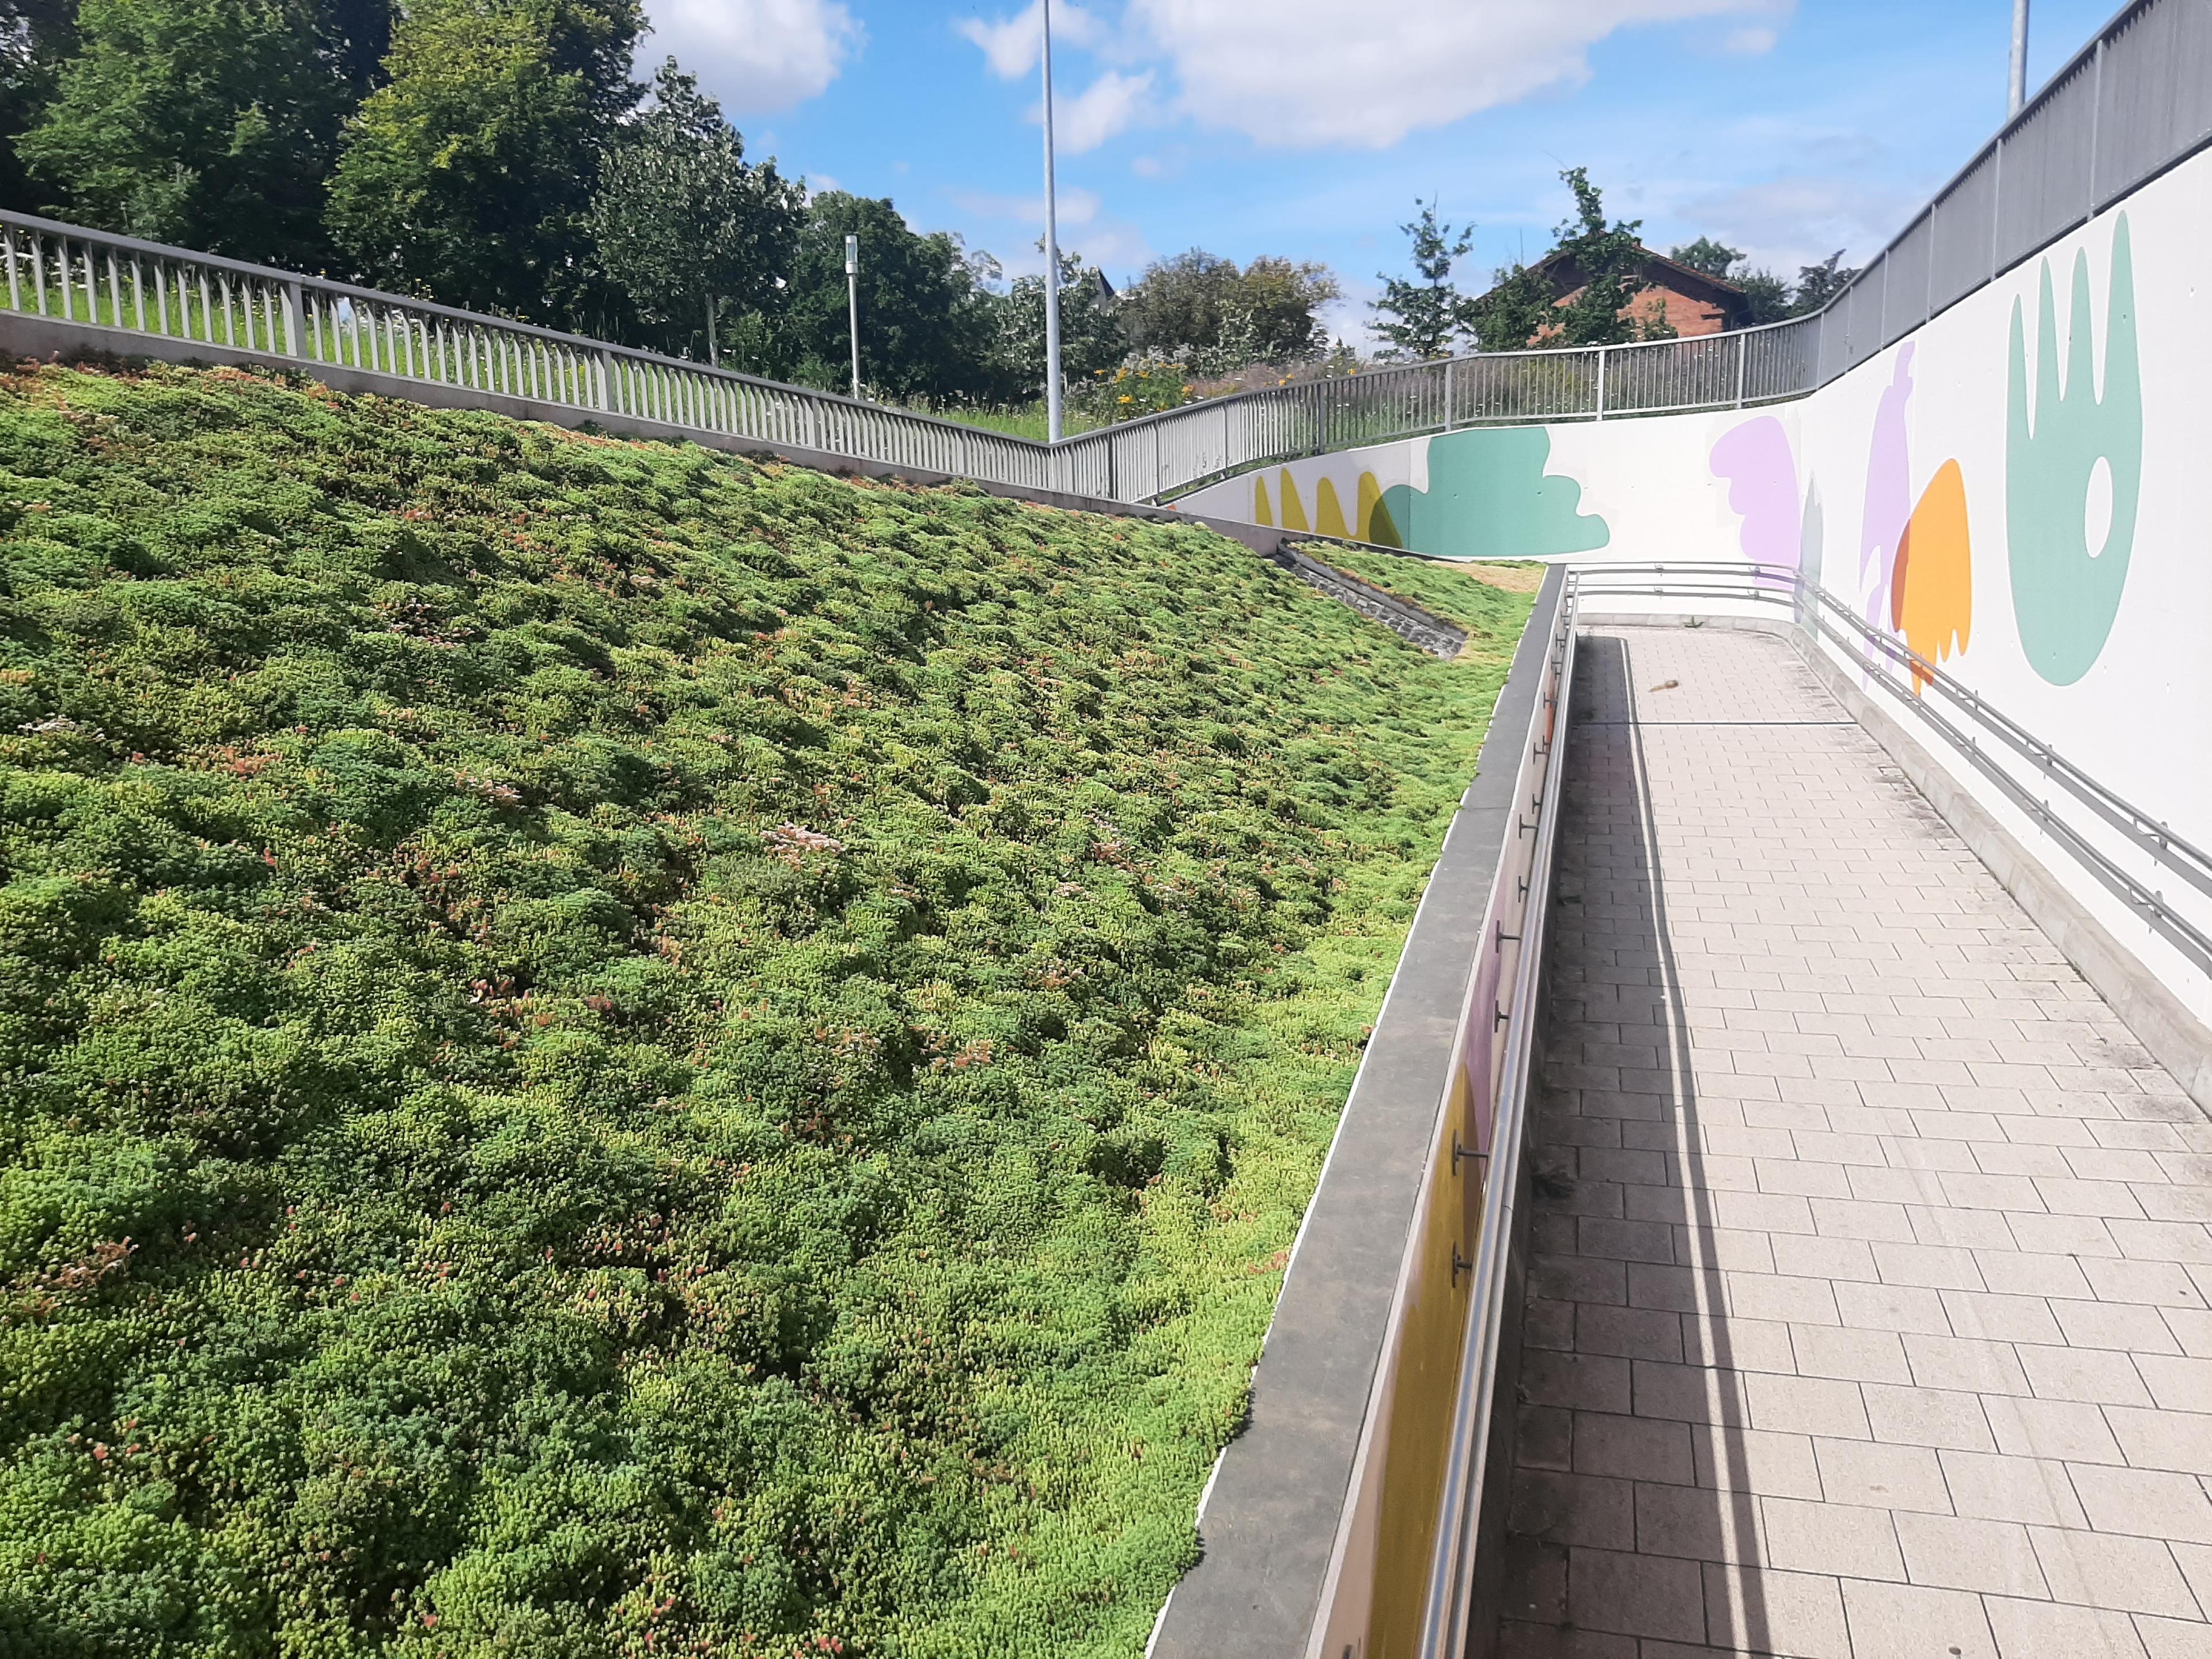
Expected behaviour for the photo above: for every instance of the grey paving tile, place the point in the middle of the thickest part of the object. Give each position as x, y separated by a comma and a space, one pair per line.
1754, 1609
1907, 1622
2046, 1629
1903, 1318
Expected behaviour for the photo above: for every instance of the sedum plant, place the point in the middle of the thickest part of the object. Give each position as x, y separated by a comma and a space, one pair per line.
611, 1050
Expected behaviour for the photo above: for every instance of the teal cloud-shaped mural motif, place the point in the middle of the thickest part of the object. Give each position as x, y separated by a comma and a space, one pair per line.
1489, 497
2066, 592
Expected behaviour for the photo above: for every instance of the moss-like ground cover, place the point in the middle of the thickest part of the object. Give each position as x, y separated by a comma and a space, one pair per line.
611, 1052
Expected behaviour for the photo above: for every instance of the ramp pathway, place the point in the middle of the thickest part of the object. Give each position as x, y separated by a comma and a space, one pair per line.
1867, 1312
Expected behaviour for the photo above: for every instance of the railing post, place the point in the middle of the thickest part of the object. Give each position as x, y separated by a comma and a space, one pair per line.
1743, 351
292, 319
1601, 381
1449, 365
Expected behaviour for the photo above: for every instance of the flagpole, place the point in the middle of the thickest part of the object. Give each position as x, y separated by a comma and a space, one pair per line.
1052, 387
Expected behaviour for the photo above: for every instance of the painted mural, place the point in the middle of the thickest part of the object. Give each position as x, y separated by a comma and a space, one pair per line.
1485, 493
1490, 496
1762, 477
2022, 450
2073, 470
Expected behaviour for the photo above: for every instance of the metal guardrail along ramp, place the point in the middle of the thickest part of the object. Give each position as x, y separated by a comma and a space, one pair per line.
1865, 1309
1749, 1231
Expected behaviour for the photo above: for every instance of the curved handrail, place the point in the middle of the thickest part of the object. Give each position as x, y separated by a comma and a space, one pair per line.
2114, 117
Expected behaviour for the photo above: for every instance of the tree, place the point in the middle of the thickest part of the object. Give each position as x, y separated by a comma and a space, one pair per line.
208, 123
469, 175
927, 323
36, 36
1708, 258
1423, 318
1091, 337
1818, 284
1610, 260
1199, 302
691, 235
1766, 296
1513, 315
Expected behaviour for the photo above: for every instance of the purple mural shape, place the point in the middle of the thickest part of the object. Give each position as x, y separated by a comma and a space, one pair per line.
1762, 474
1888, 492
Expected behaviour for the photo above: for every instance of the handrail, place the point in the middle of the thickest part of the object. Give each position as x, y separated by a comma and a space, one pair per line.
1444, 1632
2115, 117
1875, 653
1467, 1479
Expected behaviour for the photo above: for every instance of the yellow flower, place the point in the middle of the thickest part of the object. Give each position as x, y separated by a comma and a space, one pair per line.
1124, 398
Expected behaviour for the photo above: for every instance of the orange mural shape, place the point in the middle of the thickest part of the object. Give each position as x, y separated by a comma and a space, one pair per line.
1931, 592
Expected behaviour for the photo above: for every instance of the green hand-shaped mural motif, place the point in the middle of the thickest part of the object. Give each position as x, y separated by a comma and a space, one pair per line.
2065, 591
1489, 497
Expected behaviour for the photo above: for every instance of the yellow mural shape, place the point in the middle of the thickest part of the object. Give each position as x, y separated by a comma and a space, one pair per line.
1931, 595
1370, 497
1328, 512
1294, 510
1262, 513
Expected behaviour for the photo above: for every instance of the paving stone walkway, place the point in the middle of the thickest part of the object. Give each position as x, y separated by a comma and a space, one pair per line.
1870, 1307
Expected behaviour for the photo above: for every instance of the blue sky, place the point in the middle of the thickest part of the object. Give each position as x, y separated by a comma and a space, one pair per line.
1307, 127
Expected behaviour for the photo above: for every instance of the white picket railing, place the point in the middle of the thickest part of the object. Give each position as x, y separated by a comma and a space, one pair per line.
2131, 104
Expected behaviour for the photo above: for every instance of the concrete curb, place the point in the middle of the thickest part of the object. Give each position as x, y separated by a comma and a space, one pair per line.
1270, 1517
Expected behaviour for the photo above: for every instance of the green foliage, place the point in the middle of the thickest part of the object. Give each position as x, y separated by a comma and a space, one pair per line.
1424, 318
1091, 339
1766, 296
1516, 312
1818, 284
469, 175
1708, 258
1609, 261
683, 226
1143, 384
927, 324
208, 123
614, 1051
1197, 306
36, 37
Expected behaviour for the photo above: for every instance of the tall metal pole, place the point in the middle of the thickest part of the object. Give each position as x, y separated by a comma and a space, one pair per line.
853, 306
1051, 251
2019, 58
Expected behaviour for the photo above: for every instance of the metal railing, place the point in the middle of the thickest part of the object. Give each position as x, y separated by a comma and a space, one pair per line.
2093, 824
2099, 829
98, 280
2132, 103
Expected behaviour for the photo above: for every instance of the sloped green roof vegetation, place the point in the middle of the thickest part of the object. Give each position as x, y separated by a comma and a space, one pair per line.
611, 1051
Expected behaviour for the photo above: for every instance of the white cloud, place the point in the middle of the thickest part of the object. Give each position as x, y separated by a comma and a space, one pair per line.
1112, 243
1103, 108
756, 56
1327, 72
1751, 42
1797, 219
1077, 207
1011, 45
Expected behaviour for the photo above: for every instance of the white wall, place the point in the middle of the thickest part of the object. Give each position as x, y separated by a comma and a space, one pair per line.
2014, 606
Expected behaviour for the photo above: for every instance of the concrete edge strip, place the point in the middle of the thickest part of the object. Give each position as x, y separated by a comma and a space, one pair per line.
1271, 1516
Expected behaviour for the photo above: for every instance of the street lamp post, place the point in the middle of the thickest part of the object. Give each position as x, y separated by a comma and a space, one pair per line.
1051, 251
853, 305
2018, 58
